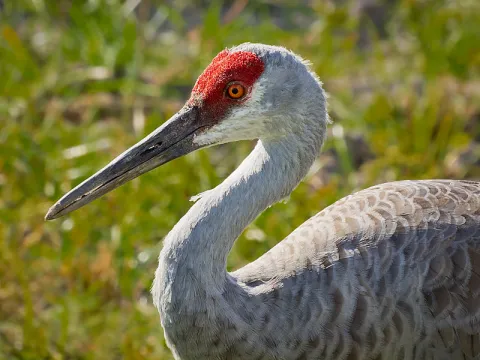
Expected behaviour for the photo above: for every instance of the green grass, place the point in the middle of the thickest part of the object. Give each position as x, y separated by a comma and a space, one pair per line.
83, 80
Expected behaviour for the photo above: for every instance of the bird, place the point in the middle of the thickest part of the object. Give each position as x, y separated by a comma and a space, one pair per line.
389, 272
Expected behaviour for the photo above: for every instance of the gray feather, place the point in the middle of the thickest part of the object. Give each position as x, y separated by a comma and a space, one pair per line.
391, 272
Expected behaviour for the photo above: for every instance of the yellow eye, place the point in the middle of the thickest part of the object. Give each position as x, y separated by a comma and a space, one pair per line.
235, 91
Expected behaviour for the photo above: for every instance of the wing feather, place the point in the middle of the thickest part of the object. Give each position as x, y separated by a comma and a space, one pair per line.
413, 248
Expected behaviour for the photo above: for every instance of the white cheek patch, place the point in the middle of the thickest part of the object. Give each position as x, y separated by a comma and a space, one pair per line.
243, 123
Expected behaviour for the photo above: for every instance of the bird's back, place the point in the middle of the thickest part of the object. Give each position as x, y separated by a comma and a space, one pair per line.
391, 271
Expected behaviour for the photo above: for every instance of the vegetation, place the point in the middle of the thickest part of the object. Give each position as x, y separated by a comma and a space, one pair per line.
83, 80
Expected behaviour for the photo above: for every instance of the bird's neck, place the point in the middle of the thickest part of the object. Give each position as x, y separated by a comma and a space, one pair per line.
192, 263
195, 251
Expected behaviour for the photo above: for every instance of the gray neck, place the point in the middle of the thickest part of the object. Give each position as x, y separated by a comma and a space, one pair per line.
196, 249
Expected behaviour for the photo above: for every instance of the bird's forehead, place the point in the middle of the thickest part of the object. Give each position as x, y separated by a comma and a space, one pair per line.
228, 66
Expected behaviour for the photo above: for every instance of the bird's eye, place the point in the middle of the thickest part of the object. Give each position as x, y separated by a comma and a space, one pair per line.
235, 91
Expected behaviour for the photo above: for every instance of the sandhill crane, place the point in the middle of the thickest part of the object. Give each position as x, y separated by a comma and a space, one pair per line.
390, 272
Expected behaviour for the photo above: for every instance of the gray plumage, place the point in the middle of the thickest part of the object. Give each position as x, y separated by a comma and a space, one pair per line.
391, 272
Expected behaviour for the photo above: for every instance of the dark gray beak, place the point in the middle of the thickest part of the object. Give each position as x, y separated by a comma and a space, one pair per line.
170, 141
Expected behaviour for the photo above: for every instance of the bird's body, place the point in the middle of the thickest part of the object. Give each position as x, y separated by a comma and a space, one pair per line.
391, 272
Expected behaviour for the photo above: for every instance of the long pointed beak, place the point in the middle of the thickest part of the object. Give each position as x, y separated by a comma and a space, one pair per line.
170, 141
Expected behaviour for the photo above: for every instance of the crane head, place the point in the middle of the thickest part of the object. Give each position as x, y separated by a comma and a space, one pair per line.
247, 92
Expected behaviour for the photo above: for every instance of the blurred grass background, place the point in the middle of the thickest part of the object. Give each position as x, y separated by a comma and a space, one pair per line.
80, 81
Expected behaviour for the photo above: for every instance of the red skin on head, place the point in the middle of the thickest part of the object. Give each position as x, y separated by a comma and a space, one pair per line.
209, 90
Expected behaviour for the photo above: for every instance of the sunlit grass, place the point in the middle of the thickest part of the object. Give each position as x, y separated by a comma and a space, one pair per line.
83, 80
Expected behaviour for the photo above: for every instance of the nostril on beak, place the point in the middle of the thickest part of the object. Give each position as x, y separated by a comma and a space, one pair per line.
154, 146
